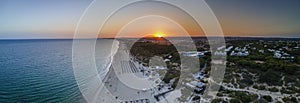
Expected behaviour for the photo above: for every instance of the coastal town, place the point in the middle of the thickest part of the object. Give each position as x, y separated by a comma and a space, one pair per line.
258, 71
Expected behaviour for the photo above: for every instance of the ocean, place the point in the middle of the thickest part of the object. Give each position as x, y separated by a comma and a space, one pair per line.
41, 70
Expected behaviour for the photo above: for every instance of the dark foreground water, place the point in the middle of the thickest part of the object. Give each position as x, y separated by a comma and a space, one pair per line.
37, 71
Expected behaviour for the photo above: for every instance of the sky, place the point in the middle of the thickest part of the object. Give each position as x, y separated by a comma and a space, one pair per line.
27, 19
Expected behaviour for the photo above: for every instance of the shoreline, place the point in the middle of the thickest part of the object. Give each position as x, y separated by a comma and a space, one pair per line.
109, 67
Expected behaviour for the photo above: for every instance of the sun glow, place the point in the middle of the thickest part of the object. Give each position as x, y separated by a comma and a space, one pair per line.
159, 34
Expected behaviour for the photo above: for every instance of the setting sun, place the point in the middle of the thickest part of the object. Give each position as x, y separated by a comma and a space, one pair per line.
159, 35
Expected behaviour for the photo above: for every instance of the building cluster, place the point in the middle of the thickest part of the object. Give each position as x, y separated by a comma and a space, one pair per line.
196, 86
280, 54
245, 51
222, 51
240, 52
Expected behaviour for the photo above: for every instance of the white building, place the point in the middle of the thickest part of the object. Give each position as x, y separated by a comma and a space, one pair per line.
194, 54
220, 48
229, 48
198, 86
261, 51
240, 53
220, 53
277, 55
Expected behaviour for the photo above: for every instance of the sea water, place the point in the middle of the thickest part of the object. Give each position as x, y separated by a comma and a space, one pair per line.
41, 70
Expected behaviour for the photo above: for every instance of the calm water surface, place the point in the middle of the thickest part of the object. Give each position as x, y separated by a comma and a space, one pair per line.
37, 71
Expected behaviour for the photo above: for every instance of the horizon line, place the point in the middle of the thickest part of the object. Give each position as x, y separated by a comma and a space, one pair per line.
284, 37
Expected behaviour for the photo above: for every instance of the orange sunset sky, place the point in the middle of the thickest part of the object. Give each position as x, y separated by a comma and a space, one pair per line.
58, 19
